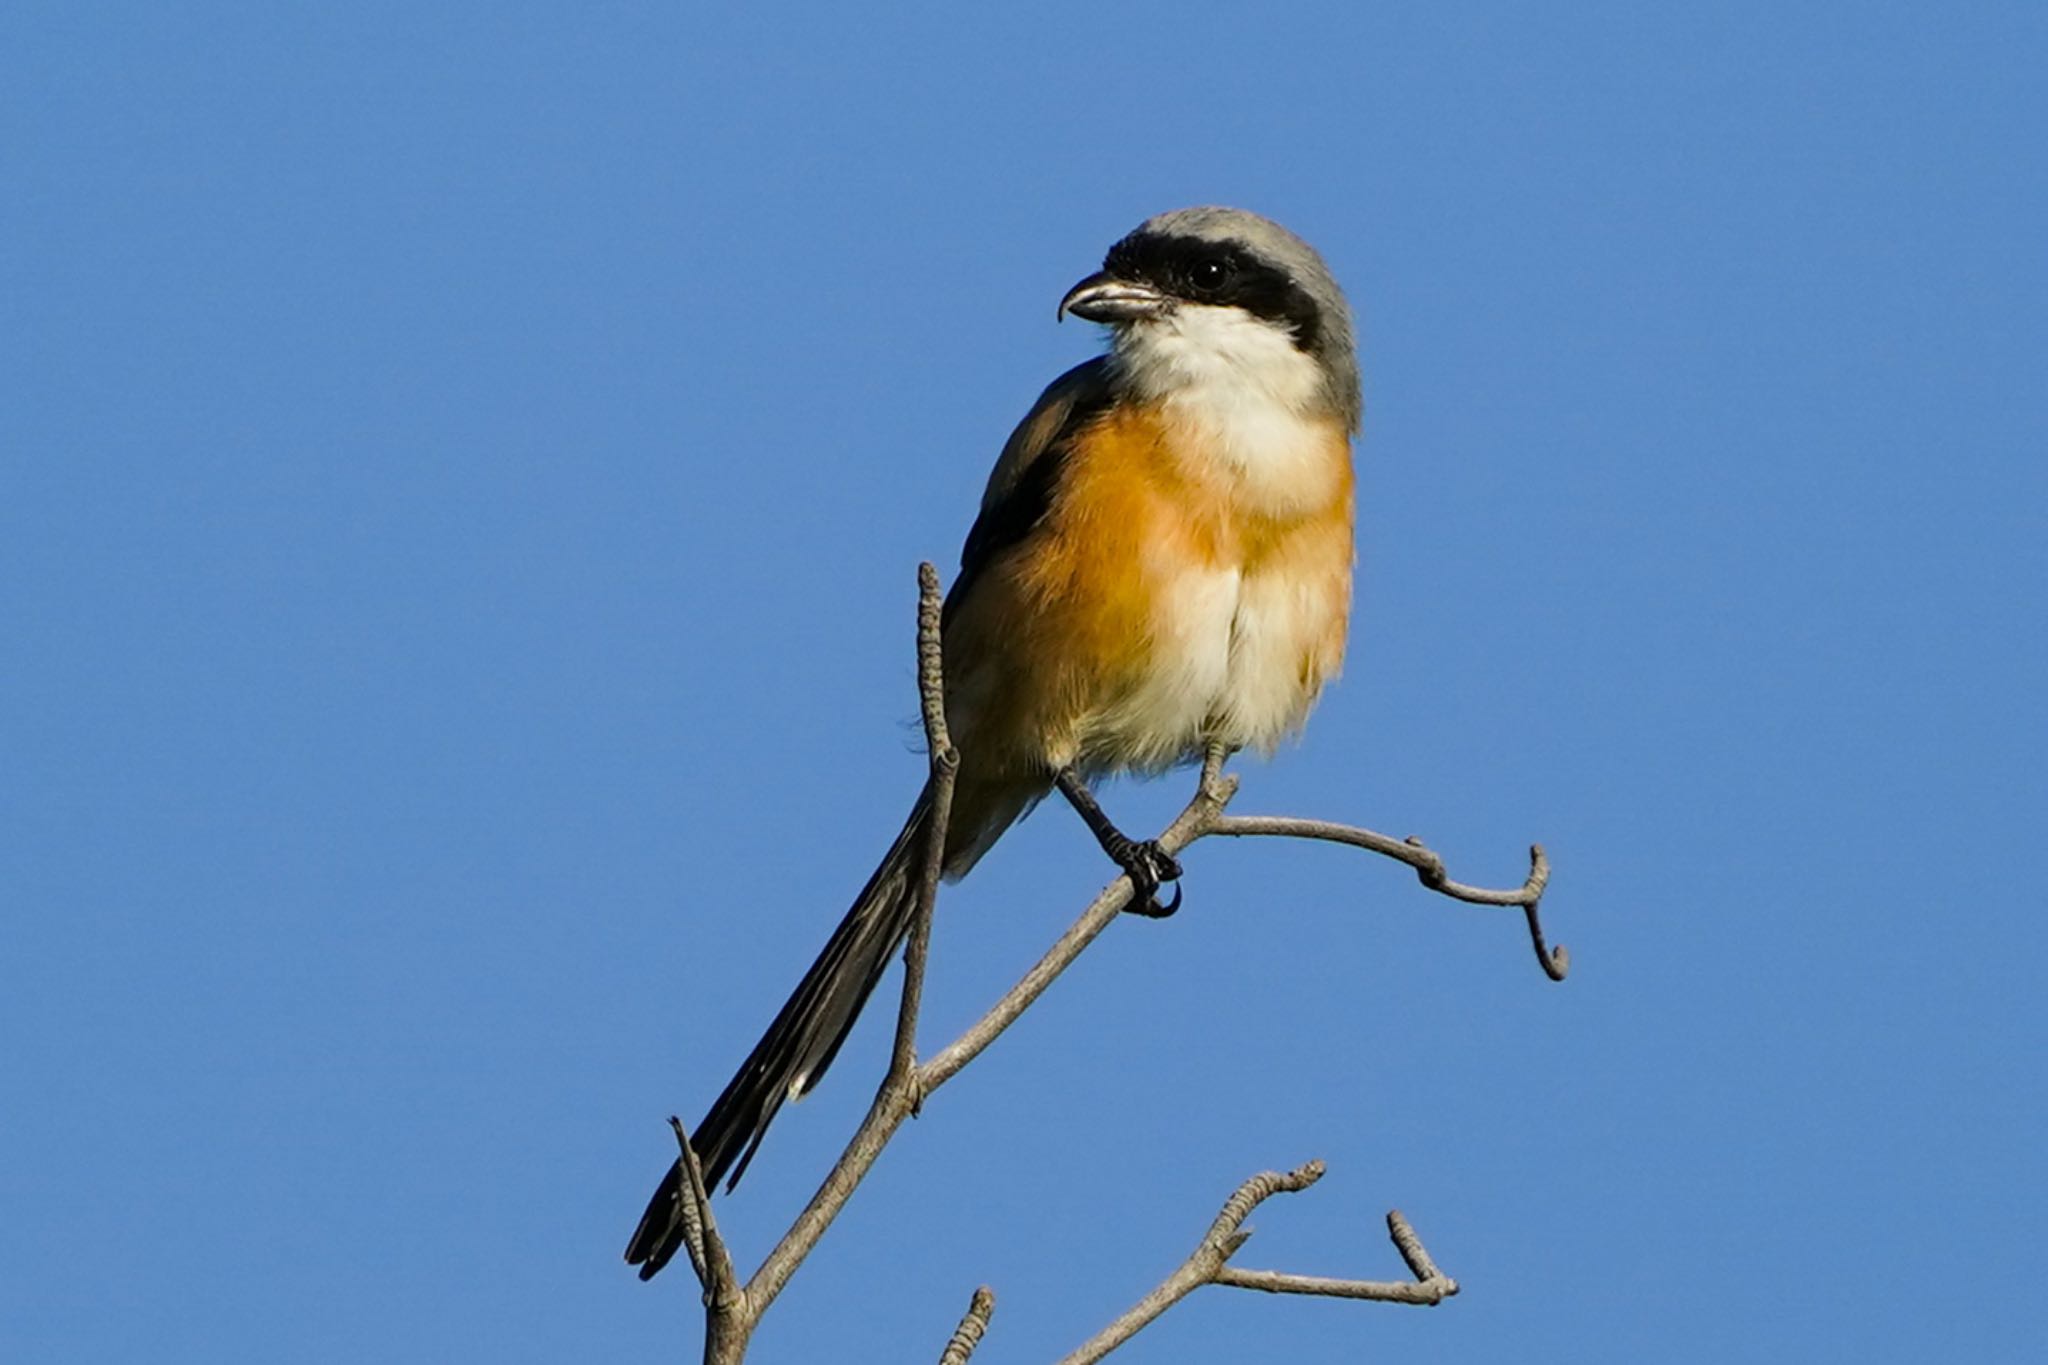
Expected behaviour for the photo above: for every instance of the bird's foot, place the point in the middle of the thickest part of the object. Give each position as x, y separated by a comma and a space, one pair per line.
1149, 867
1147, 864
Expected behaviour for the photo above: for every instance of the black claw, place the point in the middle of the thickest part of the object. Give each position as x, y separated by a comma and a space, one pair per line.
1149, 867
1149, 905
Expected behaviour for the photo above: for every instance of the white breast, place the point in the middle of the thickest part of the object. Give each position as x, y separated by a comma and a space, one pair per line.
1226, 663
1248, 398
1226, 657
1165, 716
1278, 624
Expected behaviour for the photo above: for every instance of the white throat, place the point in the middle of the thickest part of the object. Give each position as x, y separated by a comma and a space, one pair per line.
1254, 402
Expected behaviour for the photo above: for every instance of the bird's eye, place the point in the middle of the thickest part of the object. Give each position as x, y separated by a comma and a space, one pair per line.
1211, 272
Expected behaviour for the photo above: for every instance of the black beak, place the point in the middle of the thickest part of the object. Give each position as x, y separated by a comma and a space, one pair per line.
1102, 297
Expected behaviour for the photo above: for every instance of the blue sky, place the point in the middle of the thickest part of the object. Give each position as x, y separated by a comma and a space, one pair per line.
462, 470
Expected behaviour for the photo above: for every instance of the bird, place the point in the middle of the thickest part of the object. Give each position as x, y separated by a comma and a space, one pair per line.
1161, 565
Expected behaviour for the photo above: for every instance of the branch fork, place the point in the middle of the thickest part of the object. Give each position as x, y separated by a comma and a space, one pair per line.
1210, 1264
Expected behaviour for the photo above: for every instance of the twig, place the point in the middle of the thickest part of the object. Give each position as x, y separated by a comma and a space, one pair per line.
691, 1212
967, 1335
904, 1087
1429, 1288
1412, 1251
1209, 1264
1428, 865
945, 767
895, 1101
1187, 827
725, 1303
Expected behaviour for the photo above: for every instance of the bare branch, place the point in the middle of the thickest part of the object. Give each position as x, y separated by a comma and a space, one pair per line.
1209, 1265
945, 767
729, 1319
1426, 1295
1429, 1287
691, 1212
1222, 1240
898, 1097
1412, 1251
1211, 781
903, 1089
1428, 865
1187, 827
967, 1335
931, 663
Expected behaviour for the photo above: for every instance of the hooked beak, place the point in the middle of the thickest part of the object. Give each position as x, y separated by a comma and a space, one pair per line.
1104, 298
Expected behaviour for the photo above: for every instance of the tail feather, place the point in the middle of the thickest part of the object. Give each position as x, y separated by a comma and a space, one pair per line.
798, 1046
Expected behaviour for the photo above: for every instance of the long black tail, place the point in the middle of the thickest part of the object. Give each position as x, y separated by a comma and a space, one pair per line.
798, 1046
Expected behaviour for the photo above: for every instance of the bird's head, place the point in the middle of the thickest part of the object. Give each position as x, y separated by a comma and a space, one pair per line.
1203, 294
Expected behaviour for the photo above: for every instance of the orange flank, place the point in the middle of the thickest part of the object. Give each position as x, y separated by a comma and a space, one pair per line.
1118, 628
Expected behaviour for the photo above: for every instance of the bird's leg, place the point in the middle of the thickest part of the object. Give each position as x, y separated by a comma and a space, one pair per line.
1147, 864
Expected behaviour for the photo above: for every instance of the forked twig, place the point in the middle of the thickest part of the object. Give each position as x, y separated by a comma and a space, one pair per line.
1209, 1264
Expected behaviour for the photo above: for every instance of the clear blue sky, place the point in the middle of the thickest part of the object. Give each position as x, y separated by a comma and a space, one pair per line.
462, 469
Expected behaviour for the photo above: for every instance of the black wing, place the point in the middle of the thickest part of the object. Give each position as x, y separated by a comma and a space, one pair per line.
1020, 489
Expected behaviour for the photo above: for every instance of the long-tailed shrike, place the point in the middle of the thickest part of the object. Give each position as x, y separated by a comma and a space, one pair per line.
1162, 563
